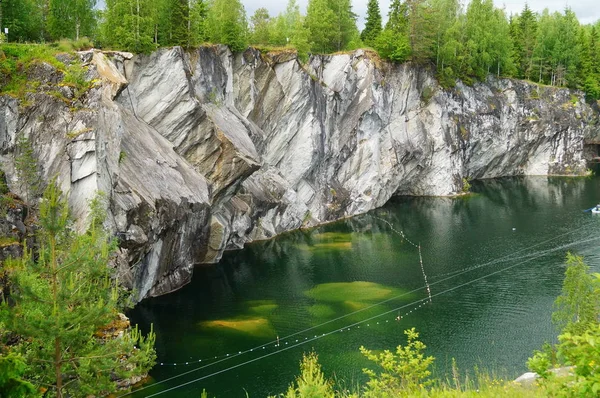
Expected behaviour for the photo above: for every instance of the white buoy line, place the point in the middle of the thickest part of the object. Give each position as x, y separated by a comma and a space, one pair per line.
417, 304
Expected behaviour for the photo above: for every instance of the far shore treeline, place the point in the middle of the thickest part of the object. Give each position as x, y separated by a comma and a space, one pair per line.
465, 43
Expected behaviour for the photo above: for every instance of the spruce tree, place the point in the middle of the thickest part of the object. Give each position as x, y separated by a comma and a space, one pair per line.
61, 300
373, 24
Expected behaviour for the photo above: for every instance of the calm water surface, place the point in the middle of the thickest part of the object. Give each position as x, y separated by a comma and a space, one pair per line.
494, 261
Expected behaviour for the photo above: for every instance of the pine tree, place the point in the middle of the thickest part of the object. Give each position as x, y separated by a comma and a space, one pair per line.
373, 24
61, 299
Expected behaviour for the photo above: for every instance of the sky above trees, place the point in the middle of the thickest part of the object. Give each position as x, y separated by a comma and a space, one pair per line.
587, 11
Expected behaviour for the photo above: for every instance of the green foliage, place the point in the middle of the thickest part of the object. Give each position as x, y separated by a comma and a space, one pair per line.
405, 371
71, 19
578, 306
260, 26
577, 312
332, 25
23, 18
75, 77
226, 23
12, 369
62, 299
393, 46
16, 59
27, 169
311, 382
372, 25
466, 185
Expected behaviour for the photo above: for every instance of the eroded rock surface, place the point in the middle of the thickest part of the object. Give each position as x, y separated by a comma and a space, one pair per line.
199, 152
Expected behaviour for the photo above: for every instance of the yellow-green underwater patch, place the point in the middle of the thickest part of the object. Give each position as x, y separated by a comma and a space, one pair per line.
357, 291
321, 311
259, 327
262, 307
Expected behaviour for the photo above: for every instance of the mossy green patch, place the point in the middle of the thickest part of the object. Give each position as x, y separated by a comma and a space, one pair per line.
331, 246
359, 291
321, 311
258, 327
354, 305
333, 236
262, 307
7, 241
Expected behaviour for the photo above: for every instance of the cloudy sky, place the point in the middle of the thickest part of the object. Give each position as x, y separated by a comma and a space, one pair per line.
587, 11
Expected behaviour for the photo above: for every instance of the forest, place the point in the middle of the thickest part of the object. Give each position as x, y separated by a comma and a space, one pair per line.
466, 43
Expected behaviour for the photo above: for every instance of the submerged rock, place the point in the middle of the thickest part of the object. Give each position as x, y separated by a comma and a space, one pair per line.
203, 151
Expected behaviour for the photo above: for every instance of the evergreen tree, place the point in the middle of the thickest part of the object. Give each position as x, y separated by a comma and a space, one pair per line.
420, 30
373, 24
544, 53
393, 43
61, 300
525, 40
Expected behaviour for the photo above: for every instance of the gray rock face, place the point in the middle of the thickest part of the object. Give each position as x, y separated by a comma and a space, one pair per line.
199, 152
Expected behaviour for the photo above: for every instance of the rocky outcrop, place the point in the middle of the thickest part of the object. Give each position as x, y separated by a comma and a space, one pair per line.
202, 151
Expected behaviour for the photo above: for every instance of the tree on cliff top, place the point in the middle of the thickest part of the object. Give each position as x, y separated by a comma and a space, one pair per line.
373, 25
61, 301
226, 23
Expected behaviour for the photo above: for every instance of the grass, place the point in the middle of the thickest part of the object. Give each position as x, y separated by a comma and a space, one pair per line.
16, 59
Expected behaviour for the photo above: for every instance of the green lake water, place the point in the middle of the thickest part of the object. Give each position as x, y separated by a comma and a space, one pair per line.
494, 262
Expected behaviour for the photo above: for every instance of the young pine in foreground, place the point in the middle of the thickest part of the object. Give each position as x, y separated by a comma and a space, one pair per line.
60, 299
